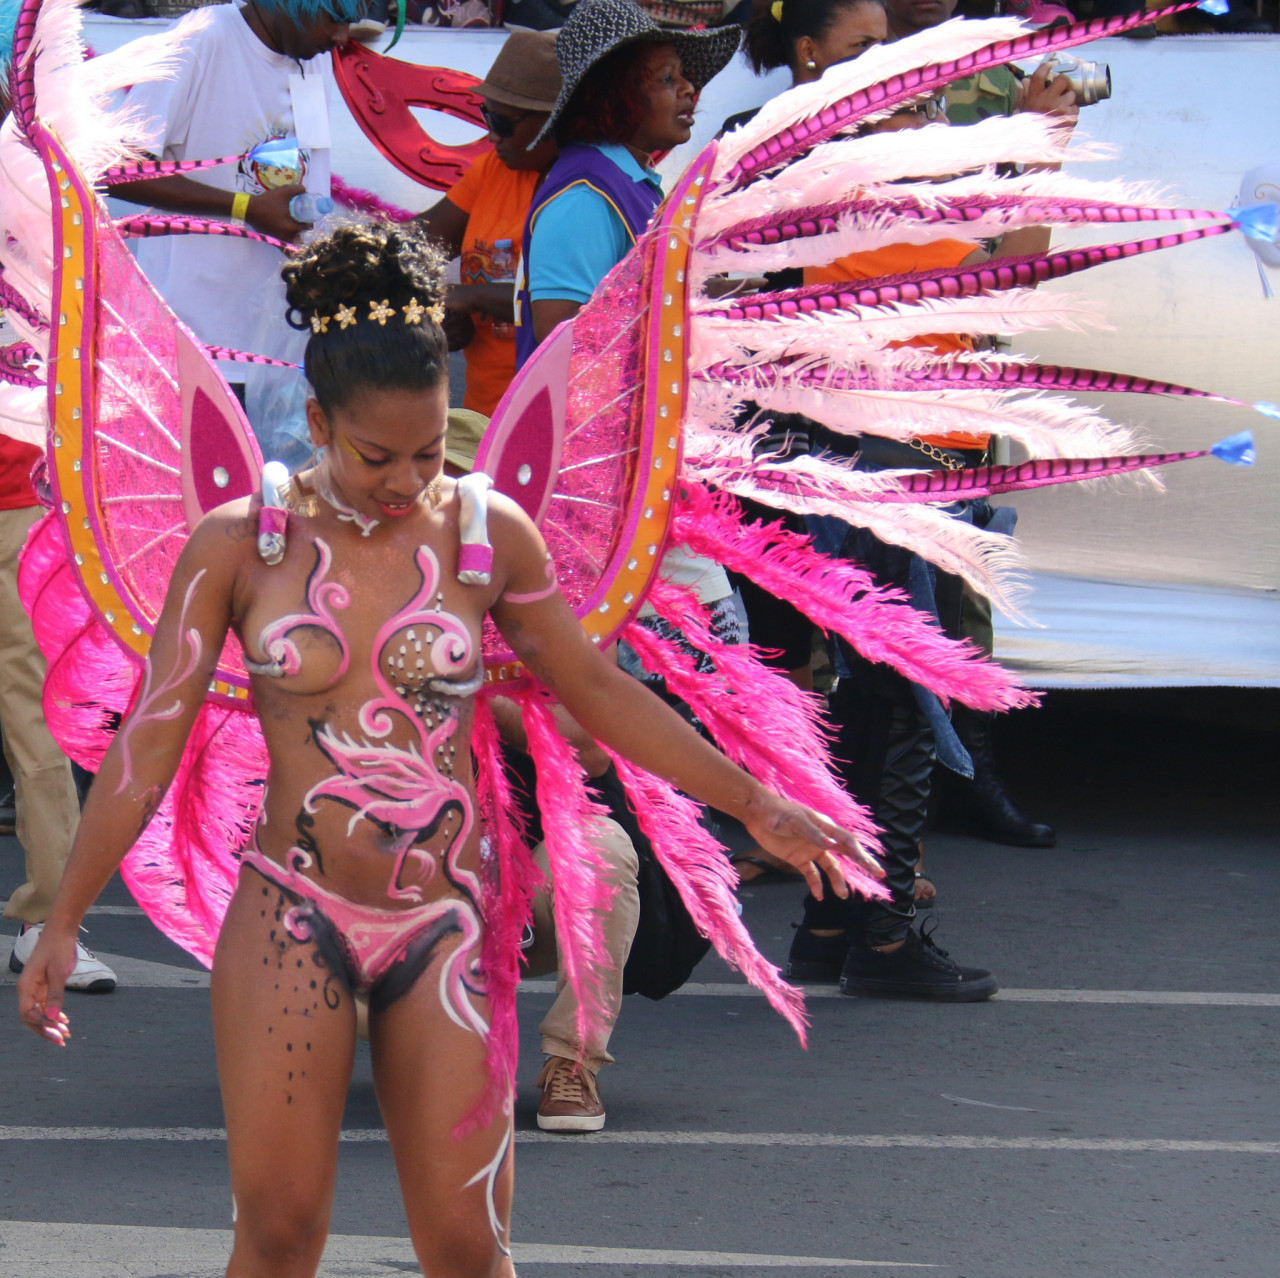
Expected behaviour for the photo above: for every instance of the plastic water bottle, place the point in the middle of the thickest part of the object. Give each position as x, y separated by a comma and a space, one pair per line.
307, 208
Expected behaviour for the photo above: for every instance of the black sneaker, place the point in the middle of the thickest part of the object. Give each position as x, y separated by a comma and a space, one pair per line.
920, 969
817, 960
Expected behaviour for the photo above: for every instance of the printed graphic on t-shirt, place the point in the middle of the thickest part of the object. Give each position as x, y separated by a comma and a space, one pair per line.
485, 263
281, 165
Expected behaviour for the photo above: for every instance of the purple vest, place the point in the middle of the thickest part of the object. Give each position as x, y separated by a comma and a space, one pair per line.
634, 202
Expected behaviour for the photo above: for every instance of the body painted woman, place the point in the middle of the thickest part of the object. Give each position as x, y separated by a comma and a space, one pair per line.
363, 874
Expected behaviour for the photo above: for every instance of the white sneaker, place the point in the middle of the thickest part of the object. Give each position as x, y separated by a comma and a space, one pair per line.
90, 975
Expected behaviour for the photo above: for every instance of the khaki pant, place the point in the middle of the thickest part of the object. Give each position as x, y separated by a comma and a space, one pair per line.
48, 807
559, 1027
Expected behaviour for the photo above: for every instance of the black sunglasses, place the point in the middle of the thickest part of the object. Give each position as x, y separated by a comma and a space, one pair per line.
502, 126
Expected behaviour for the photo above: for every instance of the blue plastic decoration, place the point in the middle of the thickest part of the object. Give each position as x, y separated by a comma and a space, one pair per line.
1258, 221
1236, 450
1217, 8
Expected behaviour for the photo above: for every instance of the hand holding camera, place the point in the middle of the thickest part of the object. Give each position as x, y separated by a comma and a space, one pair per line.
1047, 91
1062, 84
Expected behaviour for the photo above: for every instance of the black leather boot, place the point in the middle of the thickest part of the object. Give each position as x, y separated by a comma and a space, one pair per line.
983, 805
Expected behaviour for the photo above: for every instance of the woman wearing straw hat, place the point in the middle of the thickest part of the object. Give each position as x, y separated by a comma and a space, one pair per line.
482, 217
629, 90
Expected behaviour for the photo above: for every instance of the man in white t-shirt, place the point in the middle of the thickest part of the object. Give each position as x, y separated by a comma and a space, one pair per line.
243, 76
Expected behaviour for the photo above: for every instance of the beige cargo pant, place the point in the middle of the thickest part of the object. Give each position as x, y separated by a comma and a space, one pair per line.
48, 807
559, 1028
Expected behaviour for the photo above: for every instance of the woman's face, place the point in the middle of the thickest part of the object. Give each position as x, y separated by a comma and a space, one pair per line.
855, 29
511, 130
383, 448
666, 100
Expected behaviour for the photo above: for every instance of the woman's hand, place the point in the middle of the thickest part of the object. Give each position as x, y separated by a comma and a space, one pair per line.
41, 985
807, 840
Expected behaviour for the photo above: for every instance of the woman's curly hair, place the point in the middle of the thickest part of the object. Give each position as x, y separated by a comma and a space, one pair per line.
365, 266
609, 102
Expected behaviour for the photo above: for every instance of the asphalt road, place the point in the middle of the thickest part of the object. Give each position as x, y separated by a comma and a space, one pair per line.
1113, 1112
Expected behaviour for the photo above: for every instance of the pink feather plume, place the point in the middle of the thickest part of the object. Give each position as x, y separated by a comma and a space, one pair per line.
808, 485
841, 597
699, 868
581, 898
511, 879
757, 716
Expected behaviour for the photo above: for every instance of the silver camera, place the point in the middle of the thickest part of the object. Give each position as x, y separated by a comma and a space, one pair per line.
1090, 81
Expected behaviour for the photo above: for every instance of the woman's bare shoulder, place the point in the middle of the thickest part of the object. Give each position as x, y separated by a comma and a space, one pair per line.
226, 539
508, 519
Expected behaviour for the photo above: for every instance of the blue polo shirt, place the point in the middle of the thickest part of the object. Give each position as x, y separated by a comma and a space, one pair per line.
580, 237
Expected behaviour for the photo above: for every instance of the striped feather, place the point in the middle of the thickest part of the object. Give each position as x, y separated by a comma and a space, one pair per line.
998, 274
988, 481
838, 171
991, 563
825, 118
855, 337
148, 225
841, 597
1047, 426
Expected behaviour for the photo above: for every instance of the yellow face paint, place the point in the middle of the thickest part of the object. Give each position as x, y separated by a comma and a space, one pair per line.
350, 448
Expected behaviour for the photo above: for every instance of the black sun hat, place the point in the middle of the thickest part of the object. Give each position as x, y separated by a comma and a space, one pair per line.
597, 27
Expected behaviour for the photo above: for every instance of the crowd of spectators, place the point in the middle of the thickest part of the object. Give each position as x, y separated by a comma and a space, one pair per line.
1237, 17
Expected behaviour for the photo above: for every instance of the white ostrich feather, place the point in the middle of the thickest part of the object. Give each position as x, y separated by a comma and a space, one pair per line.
1046, 426
862, 232
942, 43
839, 170
26, 247
851, 338
75, 96
24, 413
74, 102
990, 562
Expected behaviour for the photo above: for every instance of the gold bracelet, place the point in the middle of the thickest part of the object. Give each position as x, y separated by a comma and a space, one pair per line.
240, 207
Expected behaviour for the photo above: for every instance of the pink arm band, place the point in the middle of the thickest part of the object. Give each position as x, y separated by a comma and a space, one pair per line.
478, 559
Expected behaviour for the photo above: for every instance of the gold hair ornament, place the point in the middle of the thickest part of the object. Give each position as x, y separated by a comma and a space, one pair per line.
776, 10
379, 313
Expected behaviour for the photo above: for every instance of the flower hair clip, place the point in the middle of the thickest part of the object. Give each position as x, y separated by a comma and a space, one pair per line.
414, 312
379, 313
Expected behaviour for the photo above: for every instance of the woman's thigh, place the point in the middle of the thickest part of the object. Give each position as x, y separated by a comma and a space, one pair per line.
430, 1075
284, 1023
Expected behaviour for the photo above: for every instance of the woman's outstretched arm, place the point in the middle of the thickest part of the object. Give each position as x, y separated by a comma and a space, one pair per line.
143, 758
622, 713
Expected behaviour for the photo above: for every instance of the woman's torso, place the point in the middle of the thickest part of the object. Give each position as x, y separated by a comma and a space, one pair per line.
368, 653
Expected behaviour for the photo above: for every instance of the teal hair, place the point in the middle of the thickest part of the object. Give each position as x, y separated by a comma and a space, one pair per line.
307, 10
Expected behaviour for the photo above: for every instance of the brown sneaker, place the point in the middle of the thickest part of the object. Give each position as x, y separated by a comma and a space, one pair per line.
570, 1099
